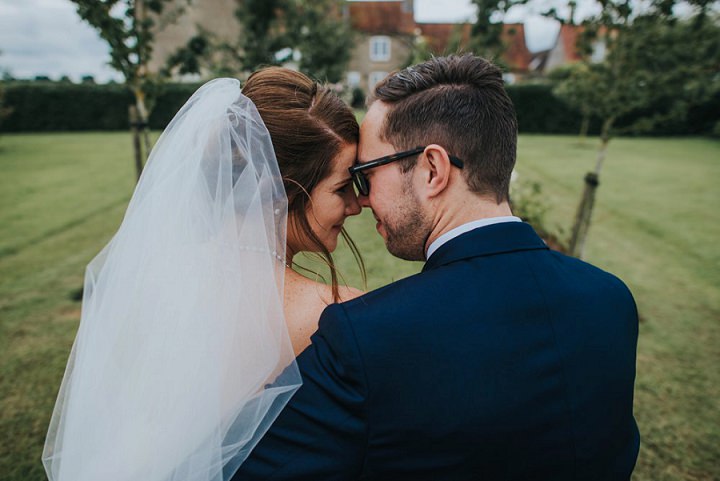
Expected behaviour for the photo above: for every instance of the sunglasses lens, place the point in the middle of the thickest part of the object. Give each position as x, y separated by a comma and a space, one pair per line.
364, 185
361, 183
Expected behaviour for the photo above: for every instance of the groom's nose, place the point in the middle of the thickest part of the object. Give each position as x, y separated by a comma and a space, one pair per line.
363, 200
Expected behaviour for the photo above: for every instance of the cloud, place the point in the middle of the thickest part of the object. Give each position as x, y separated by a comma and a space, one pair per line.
47, 37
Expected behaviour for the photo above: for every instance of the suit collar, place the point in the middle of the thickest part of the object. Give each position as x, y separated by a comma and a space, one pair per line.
484, 241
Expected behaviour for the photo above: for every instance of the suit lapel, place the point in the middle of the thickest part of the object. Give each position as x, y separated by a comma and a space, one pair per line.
484, 241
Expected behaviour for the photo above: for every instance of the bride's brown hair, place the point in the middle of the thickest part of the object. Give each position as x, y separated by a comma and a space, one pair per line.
308, 125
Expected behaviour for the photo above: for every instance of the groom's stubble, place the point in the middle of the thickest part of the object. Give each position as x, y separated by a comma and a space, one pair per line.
408, 229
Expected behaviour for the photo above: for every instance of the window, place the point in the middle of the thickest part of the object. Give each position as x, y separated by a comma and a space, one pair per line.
509, 78
598, 52
353, 79
380, 49
374, 78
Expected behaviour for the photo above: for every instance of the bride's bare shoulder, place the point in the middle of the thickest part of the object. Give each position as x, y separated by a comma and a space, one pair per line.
300, 289
305, 300
348, 293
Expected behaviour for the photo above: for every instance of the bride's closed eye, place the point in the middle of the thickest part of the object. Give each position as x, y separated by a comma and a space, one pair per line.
343, 189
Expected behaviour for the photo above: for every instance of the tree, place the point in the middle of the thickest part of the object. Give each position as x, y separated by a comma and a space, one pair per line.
129, 28
575, 87
653, 58
312, 33
487, 31
263, 32
421, 50
322, 37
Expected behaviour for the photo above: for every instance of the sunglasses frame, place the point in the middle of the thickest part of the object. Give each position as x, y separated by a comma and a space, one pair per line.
363, 184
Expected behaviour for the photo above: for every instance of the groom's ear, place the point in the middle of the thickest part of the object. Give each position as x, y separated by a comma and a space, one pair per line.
436, 169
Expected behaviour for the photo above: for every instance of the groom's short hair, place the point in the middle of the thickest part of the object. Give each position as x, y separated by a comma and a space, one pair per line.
460, 103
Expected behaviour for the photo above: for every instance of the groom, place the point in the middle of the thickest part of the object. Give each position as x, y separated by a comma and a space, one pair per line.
502, 359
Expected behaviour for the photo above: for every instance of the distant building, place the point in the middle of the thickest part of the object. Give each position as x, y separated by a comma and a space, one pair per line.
565, 50
387, 31
386, 34
214, 16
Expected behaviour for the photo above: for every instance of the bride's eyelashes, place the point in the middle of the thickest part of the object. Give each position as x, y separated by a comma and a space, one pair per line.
344, 189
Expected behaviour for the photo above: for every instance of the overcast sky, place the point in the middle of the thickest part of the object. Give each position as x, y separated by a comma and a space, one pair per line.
46, 37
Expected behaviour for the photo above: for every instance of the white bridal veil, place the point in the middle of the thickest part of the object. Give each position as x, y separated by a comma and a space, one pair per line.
182, 359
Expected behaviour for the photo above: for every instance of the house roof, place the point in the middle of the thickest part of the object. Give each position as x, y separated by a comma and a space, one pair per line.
516, 55
440, 35
389, 18
568, 37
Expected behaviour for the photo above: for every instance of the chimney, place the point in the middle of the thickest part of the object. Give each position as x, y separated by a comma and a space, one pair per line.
408, 7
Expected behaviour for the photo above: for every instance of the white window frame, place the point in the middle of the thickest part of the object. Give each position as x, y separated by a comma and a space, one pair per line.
380, 48
353, 79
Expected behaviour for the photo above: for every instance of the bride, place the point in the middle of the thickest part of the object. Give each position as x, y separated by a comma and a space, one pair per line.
192, 316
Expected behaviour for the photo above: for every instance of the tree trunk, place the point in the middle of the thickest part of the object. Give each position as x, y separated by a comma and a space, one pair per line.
592, 180
142, 118
137, 147
583, 215
584, 127
604, 141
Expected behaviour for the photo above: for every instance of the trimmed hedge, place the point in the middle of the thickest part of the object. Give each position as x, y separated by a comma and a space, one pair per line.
539, 111
47, 106
169, 101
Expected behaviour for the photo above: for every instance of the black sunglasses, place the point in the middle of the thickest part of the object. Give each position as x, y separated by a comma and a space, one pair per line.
361, 181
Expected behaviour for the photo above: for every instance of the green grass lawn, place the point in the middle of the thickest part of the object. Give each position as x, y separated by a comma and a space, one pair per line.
656, 226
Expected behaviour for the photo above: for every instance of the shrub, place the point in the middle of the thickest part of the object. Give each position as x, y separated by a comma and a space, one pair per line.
50, 106
56, 106
539, 111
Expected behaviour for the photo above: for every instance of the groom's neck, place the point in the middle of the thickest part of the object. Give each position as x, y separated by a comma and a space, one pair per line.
459, 211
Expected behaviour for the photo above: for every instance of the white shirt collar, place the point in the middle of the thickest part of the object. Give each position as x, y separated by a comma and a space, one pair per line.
453, 233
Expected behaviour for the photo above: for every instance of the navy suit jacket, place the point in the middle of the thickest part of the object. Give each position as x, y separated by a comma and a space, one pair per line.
502, 360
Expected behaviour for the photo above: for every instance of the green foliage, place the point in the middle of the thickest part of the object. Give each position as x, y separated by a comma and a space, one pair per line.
357, 100
129, 36
420, 49
716, 130
170, 98
323, 38
262, 31
39, 106
653, 59
539, 111
529, 203
53, 106
4, 111
129, 28
186, 60
486, 33
206, 54
311, 33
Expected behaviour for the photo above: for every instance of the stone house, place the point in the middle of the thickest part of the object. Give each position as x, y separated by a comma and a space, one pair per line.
387, 32
385, 35
215, 16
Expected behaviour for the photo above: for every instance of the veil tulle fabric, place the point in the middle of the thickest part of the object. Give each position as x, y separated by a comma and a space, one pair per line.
182, 359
